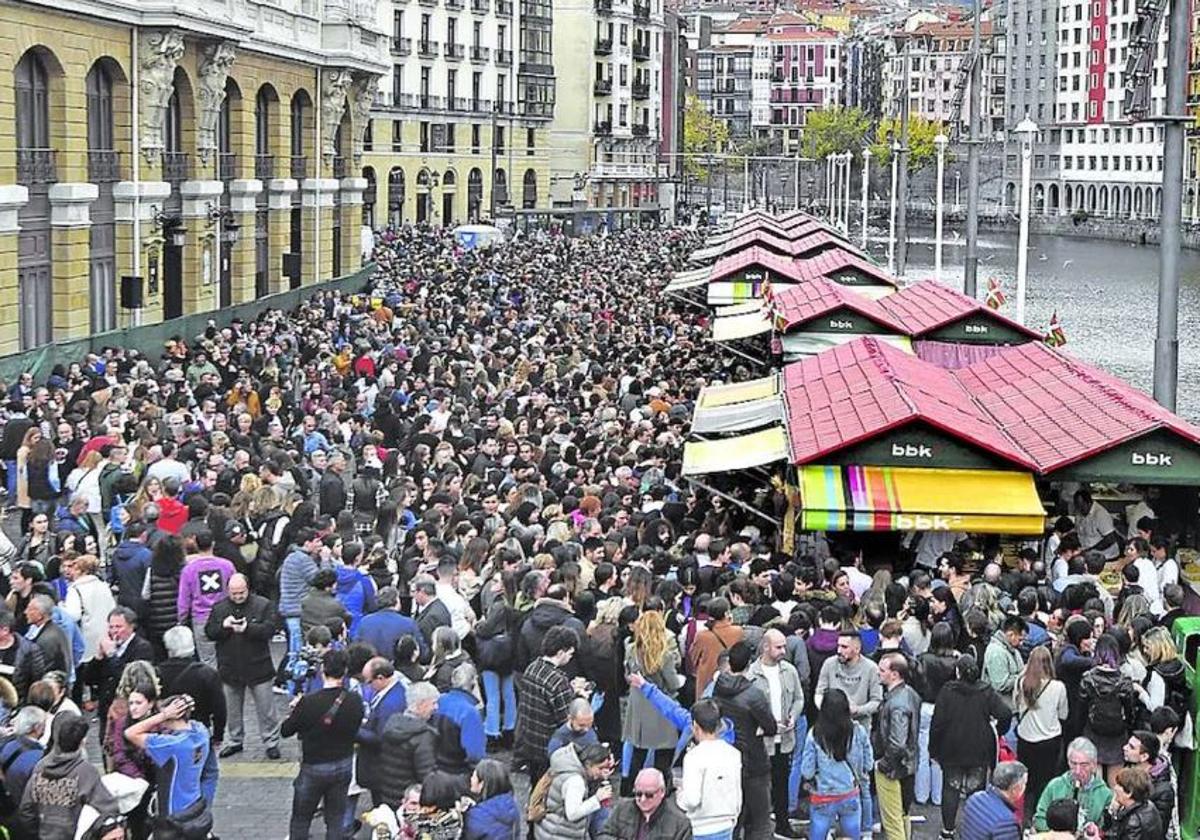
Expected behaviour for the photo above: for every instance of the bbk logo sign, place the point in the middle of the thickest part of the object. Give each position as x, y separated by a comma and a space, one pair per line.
975, 329
1151, 459
912, 450
840, 324
926, 522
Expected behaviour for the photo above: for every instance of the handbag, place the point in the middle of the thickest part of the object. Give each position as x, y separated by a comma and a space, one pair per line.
194, 822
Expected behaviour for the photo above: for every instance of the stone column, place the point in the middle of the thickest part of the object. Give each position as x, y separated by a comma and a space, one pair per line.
71, 224
242, 203
201, 254
140, 199
318, 197
12, 198
279, 220
352, 221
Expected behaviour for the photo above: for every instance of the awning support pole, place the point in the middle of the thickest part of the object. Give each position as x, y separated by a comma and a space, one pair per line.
729, 346
698, 483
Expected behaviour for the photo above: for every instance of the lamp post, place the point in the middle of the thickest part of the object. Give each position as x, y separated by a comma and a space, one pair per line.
1026, 130
957, 184
746, 184
797, 206
940, 142
847, 161
892, 223
829, 186
866, 188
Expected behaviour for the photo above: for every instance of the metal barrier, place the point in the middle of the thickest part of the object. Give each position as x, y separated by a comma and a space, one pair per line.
148, 339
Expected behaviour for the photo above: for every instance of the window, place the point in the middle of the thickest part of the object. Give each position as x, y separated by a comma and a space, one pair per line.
424, 136
397, 136
477, 34
625, 35
476, 133
452, 30
450, 137
424, 27
397, 24
624, 120
499, 139
529, 141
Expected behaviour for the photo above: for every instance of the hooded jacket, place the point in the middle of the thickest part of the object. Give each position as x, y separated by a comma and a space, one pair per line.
493, 819
408, 756
546, 613
61, 784
749, 709
356, 591
961, 733
568, 805
1002, 666
130, 564
295, 579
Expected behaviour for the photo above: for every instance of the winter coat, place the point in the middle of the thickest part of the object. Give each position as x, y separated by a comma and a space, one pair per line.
295, 579
243, 658
987, 816
496, 638
356, 590
1140, 821
89, 601
28, 666
934, 670
961, 733
1162, 792
461, 742
643, 726
894, 736
706, 649
667, 823
561, 822
128, 569
498, 818
546, 613
1002, 666
1095, 684
60, 786
408, 756
380, 711
162, 604
750, 710
320, 607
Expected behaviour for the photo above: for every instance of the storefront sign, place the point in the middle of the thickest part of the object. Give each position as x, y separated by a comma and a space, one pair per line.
917, 445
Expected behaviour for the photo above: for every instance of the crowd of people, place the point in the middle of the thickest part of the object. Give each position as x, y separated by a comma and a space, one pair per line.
458, 497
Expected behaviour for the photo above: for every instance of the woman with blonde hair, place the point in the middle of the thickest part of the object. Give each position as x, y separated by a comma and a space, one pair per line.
652, 652
243, 500
1135, 605
1167, 684
150, 491
89, 600
1040, 702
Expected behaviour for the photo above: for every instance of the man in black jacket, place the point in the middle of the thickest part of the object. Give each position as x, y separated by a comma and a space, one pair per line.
121, 646
21, 661
553, 610
650, 815
332, 487
409, 744
428, 611
242, 626
750, 710
894, 739
56, 647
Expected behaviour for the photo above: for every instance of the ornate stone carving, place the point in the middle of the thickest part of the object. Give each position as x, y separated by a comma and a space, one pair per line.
333, 105
210, 95
364, 88
158, 54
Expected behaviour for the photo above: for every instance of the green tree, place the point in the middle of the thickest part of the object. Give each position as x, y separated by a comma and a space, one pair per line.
702, 134
835, 131
922, 151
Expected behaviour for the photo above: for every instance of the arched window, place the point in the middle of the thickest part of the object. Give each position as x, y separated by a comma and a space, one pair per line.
100, 108
529, 190
262, 122
33, 103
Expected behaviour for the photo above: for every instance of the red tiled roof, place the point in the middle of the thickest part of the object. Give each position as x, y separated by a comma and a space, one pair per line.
927, 306
861, 389
838, 259
803, 302
1059, 410
811, 240
765, 237
734, 263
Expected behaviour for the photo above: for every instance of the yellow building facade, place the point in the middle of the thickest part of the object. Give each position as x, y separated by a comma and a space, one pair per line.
182, 155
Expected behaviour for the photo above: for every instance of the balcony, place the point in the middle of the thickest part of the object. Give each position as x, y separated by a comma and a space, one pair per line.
480, 55
402, 46
536, 10
264, 167
504, 8
404, 100
641, 130
227, 166
504, 57
641, 51
429, 3
36, 166
339, 167
481, 106
430, 103
177, 167
537, 109
641, 11
604, 7
603, 128
457, 103
455, 5
481, 7
299, 167
104, 166
604, 46
455, 52
641, 90
427, 49
504, 108
602, 87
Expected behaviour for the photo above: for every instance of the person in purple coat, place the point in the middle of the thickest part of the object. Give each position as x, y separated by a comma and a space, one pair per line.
202, 583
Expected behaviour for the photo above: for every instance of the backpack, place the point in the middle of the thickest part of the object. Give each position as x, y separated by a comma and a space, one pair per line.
7, 806
1106, 714
536, 811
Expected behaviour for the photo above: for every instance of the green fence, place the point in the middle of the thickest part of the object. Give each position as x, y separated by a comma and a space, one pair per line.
148, 339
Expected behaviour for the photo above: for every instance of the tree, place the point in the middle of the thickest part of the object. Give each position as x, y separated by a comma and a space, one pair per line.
834, 131
702, 134
922, 151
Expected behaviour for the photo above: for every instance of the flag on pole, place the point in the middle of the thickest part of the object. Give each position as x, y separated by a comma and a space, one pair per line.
768, 293
1056, 337
995, 294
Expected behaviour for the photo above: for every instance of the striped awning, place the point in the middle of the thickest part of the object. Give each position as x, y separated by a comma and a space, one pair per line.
855, 498
726, 292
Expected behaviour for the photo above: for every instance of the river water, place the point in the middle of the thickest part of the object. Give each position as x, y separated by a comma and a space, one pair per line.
1105, 294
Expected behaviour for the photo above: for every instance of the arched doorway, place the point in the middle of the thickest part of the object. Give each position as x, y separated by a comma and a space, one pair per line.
176, 170
474, 194
449, 189
1137, 203
396, 197
424, 196
1104, 199
266, 116
1039, 199
1091, 199
1053, 193
1010, 195
302, 126
36, 171
500, 187
529, 190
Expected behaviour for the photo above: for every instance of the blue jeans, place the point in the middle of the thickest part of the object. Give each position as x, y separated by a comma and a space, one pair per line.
499, 690
927, 786
794, 774
727, 834
10, 476
847, 815
317, 783
295, 640
209, 775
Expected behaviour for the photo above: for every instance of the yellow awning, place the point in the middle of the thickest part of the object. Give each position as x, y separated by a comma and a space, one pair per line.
913, 499
735, 453
752, 389
734, 327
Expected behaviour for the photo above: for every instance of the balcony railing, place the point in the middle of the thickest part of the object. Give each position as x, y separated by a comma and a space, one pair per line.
299, 167
481, 7
227, 166
264, 167
430, 3
504, 8
481, 54
455, 51
641, 130
430, 103
404, 100
481, 106
36, 166
641, 90
537, 109
604, 7
428, 49
177, 167
603, 128
339, 167
457, 103
641, 11
455, 5
602, 87
641, 50
402, 46
104, 166
604, 46
504, 57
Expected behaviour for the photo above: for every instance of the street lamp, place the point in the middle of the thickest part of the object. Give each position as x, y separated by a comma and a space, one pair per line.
1026, 130
940, 141
847, 160
892, 224
866, 155
829, 164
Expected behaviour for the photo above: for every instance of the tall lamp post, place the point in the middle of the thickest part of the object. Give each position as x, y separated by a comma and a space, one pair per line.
1026, 130
847, 166
940, 142
866, 188
829, 162
892, 223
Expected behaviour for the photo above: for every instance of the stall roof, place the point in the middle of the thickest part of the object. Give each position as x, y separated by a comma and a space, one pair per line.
805, 302
813, 241
860, 390
763, 238
829, 263
1063, 412
928, 306
728, 266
